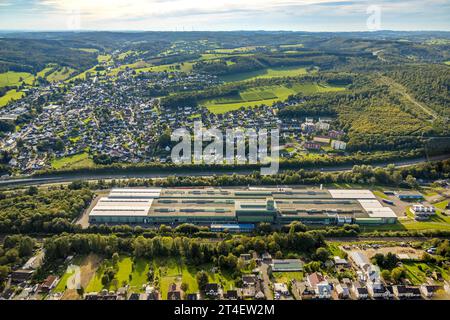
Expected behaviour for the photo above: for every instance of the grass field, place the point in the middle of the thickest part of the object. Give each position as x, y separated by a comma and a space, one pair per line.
286, 277
104, 58
447, 63
12, 78
61, 286
9, 96
298, 45
83, 75
182, 67
124, 275
137, 65
417, 272
263, 95
218, 56
75, 161
438, 222
60, 74
175, 271
168, 270
380, 194
90, 50
266, 74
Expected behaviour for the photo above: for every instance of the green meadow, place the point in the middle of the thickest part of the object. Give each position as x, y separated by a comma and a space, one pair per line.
263, 95
10, 96
12, 78
133, 272
81, 160
266, 74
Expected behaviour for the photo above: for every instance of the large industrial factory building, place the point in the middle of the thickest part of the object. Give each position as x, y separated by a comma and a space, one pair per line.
218, 207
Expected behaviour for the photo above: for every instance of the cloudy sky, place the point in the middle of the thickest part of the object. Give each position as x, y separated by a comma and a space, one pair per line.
308, 15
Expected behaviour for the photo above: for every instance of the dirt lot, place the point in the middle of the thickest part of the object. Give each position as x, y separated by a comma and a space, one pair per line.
87, 271
370, 252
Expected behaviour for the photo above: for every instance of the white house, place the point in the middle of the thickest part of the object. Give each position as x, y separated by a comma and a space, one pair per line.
342, 291
338, 145
429, 291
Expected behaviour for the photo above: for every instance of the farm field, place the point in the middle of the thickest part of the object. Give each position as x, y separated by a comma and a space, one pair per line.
298, 45
60, 74
82, 75
12, 78
217, 56
78, 160
183, 67
266, 74
9, 96
263, 95
104, 58
136, 65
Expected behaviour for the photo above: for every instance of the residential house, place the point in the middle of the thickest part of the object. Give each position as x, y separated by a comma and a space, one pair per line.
280, 289
212, 290
360, 260
340, 263
322, 139
320, 286
21, 275
266, 258
134, 296
173, 293
378, 290
246, 257
429, 291
310, 145
360, 291
342, 291
192, 296
405, 292
232, 295
49, 283
338, 145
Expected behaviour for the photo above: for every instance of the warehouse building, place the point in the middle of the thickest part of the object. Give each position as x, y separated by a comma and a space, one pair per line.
244, 206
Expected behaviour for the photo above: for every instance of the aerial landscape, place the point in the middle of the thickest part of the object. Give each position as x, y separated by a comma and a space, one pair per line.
96, 203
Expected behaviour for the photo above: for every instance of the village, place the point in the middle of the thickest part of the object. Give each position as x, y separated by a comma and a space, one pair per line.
351, 275
120, 120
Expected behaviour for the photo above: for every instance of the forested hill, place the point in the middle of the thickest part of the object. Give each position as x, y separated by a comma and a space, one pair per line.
29, 55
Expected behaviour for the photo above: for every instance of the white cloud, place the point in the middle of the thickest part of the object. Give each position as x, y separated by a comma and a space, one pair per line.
123, 9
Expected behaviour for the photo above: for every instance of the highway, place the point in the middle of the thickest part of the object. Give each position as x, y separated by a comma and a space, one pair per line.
64, 178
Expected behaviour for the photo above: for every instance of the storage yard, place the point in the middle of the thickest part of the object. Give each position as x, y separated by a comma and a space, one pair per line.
216, 206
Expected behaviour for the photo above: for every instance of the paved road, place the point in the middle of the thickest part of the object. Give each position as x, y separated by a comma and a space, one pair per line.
62, 178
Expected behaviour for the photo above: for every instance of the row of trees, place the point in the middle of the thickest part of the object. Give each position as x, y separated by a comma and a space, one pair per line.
192, 249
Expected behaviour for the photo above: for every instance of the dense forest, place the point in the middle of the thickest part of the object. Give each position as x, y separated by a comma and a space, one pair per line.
33, 55
429, 84
35, 211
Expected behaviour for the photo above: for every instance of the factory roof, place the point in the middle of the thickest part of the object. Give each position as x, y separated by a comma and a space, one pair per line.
351, 194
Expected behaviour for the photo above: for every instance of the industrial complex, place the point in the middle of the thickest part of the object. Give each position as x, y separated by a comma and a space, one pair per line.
222, 207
